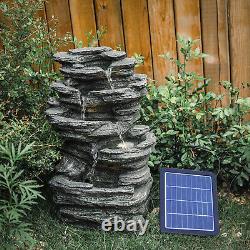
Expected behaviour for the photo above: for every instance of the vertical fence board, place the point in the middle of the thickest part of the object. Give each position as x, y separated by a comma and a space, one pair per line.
161, 19
224, 70
83, 18
223, 39
187, 21
59, 10
239, 43
213, 42
42, 13
136, 30
210, 42
108, 14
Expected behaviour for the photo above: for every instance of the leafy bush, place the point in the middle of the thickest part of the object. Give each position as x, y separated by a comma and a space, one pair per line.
26, 71
192, 129
16, 198
26, 65
45, 142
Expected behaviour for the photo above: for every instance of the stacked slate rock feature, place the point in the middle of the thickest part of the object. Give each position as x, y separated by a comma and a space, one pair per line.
104, 171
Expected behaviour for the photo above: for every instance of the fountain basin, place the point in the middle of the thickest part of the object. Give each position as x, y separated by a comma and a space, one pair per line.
90, 206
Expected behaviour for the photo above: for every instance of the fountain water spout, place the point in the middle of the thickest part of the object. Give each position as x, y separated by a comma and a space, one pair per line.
108, 73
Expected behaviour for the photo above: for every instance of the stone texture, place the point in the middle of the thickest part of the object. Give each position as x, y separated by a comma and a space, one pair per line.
99, 176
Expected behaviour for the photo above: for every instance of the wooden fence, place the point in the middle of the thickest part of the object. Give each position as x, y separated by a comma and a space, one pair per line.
150, 27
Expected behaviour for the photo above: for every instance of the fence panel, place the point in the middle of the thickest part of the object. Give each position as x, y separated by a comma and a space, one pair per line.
149, 28
239, 19
137, 32
187, 22
108, 15
163, 37
82, 18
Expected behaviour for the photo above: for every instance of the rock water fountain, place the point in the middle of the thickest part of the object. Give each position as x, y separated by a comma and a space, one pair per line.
104, 171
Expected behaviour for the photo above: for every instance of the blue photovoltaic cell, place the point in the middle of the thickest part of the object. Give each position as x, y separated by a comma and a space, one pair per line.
188, 202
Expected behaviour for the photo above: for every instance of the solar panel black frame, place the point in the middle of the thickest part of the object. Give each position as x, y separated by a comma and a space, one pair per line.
162, 202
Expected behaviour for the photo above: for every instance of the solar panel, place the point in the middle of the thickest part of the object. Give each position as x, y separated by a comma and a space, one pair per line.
188, 202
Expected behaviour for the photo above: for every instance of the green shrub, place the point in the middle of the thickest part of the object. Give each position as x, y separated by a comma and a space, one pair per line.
26, 64
16, 198
26, 72
45, 142
192, 129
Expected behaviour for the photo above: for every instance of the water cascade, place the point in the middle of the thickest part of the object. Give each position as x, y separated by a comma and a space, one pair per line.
103, 171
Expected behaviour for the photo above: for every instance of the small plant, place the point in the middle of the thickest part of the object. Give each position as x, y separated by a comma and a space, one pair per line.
92, 39
77, 43
139, 59
119, 47
192, 128
17, 196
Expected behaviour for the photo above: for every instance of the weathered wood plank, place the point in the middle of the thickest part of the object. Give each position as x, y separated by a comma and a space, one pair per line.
108, 15
239, 43
42, 12
214, 35
136, 30
223, 38
59, 10
161, 19
210, 43
187, 22
82, 18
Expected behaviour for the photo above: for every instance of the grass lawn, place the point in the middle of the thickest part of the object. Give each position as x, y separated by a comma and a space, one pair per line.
234, 215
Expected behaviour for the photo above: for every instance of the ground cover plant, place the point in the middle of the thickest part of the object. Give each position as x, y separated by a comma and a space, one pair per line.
193, 130
17, 197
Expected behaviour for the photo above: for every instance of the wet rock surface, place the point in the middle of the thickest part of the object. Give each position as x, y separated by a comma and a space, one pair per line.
103, 172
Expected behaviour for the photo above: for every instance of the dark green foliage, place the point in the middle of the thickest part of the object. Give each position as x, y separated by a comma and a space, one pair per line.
26, 66
26, 72
45, 142
16, 197
193, 131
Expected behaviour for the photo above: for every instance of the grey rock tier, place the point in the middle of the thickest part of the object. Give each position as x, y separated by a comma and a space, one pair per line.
103, 172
